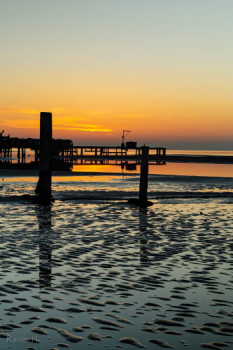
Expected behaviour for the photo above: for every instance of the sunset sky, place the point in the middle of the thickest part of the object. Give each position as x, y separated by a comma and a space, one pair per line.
160, 68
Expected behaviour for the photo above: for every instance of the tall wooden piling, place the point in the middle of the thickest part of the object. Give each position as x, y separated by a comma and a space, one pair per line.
43, 189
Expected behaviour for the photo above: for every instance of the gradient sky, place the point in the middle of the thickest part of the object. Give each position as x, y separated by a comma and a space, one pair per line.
160, 68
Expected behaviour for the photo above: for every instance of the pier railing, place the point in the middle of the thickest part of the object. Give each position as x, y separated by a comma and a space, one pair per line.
109, 152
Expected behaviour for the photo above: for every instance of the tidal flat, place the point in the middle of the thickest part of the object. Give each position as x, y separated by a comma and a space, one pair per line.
102, 274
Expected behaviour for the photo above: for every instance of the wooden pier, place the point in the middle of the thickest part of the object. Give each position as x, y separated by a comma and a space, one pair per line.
14, 150
64, 153
14, 154
108, 152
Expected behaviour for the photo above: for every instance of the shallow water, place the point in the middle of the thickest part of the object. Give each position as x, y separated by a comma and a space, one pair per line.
130, 167
78, 268
186, 169
115, 186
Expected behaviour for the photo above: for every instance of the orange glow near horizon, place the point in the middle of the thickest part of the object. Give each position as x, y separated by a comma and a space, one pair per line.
177, 107
177, 120
161, 70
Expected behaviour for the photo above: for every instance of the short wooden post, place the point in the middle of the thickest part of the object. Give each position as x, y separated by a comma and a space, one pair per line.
142, 201
144, 175
43, 189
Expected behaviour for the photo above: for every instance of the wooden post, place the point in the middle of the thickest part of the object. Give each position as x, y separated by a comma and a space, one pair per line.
142, 201
43, 189
144, 175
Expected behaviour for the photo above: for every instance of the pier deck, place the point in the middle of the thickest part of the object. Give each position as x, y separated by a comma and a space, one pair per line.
13, 152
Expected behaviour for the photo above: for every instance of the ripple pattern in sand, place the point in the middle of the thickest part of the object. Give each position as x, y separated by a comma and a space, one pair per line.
112, 275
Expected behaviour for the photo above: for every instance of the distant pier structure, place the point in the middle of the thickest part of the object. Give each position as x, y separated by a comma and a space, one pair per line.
14, 151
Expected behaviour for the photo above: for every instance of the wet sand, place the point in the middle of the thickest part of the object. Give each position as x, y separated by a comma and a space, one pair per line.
106, 274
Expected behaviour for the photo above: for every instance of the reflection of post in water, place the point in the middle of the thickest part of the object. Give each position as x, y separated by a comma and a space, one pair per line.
143, 235
43, 213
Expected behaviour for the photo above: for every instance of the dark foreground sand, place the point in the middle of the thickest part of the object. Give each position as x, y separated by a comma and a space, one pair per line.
104, 274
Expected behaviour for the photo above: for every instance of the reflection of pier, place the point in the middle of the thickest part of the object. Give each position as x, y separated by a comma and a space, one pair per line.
125, 164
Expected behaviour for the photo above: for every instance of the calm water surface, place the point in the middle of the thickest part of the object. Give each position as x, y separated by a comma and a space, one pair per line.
187, 169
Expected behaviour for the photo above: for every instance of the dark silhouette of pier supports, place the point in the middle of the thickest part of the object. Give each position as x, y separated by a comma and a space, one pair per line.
43, 188
142, 200
37, 156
